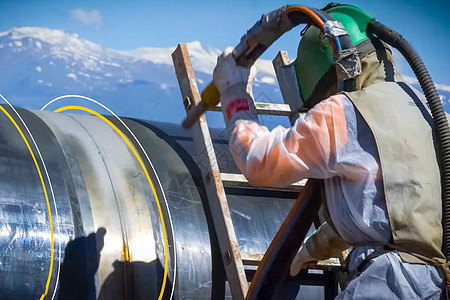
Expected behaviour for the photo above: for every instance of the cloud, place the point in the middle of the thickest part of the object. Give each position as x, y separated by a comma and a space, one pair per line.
442, 87
90, 18
439, 86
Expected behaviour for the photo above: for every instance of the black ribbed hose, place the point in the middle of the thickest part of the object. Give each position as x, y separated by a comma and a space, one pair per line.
442, 130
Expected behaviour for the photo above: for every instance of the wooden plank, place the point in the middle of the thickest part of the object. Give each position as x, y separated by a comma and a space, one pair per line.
251, 259
271, 109
254, 259
217, 200
239, 180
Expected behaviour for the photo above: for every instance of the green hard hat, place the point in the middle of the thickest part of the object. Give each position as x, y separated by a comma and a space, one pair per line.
315, 54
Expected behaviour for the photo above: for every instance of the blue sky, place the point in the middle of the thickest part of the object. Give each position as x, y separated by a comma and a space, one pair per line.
124, 25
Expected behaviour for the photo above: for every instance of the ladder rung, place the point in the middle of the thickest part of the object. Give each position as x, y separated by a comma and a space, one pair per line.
331, 263
253, 259
238, 180
273, 109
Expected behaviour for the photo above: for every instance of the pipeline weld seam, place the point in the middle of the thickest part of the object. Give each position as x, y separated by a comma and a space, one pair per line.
166, 257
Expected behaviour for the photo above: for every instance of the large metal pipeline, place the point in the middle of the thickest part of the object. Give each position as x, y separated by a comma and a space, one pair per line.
95, 220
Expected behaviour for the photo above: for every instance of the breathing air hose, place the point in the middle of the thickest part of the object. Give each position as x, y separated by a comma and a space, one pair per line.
395, 40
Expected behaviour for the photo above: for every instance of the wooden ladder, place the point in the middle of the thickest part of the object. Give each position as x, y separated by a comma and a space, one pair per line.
215, 181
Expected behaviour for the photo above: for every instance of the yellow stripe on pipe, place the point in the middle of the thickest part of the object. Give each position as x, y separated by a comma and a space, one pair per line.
166, 247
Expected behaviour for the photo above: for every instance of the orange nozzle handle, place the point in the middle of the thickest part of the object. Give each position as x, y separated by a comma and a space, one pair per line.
210, 97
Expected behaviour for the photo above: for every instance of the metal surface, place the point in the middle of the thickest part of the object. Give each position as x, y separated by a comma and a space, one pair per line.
119, 199
25, 232
103, 202
270, 278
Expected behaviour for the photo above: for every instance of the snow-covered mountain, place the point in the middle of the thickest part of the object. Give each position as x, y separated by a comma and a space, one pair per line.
40, 64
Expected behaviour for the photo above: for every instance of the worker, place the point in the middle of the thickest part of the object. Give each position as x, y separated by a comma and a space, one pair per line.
374, 149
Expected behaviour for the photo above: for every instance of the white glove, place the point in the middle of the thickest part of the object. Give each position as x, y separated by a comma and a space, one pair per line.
234, 84
302, 260
324, 243
227, 73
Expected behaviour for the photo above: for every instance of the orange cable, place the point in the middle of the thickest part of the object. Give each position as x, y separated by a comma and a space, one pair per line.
314, 17
306, 11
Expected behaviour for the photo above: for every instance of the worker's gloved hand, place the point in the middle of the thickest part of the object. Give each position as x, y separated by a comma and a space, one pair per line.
302, 260
234, 84
227, 73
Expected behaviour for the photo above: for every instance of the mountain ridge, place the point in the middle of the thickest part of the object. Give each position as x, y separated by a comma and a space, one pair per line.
41, 64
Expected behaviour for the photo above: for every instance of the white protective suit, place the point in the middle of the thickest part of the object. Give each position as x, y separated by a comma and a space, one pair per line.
334, 143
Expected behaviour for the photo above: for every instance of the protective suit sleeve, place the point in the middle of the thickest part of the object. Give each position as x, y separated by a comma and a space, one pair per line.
325, 243
284, 156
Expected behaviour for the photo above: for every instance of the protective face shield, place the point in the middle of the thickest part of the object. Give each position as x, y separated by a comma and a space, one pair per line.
314, 66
